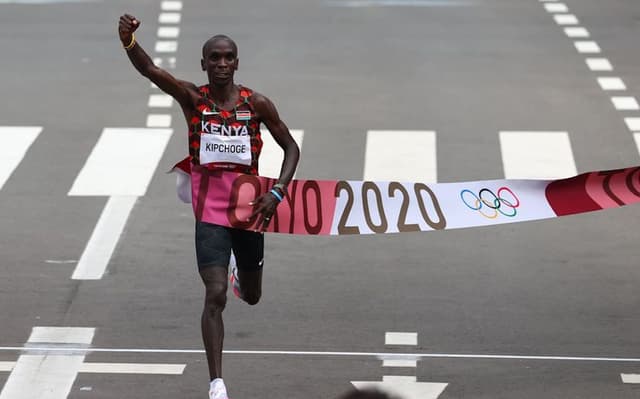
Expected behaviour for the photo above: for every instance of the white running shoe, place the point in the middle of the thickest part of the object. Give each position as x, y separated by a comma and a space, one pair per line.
233, 277
217, 390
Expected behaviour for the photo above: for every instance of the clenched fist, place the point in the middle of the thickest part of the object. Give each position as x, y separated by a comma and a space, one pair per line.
128, 24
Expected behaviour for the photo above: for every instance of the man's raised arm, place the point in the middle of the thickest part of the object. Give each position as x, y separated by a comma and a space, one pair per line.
143, 63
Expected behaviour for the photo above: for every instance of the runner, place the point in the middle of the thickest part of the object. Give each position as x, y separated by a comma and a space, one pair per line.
224, 120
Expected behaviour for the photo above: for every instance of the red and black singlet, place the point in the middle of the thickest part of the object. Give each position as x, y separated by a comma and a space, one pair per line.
240, 121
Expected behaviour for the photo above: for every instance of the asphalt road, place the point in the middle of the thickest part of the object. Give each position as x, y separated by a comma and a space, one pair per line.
564, 287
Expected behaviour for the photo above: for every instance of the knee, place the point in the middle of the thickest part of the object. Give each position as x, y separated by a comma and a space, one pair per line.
216, 298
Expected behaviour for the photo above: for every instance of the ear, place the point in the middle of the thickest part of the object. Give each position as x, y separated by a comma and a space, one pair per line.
202, 64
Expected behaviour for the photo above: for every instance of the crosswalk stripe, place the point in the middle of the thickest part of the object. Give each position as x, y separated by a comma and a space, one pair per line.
122, 162
44, 376
537, 155
630, 378
637, 137
15, 141
402, 155
272, 155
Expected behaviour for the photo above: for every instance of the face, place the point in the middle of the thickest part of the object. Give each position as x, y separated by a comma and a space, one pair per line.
220, 61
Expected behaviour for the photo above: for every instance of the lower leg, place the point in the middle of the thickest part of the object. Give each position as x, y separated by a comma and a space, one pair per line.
215, 280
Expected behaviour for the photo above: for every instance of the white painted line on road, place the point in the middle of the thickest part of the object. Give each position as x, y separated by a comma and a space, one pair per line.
60, 262
97, 254
15, 141
7, 366
625, 103
611, 83
61, 335
636, 136
576, 32
47, 376
401, 155
158, 120
399, 388
556, 7
122, 162
633, 124
168, 32
272, 155
119, 368
157, 61
133, 368
630, 378
401, 338
587, 47
399, 363
378, 355
566, 19
599, 64
171, 5
166, 46
160, 101
169, 18
402, 379
537, 155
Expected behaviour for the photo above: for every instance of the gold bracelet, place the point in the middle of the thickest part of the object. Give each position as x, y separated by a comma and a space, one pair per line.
133, 42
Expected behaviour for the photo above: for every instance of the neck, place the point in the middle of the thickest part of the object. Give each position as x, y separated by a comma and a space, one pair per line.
222, 93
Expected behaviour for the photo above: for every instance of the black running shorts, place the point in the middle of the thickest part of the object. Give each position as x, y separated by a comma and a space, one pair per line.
214, 244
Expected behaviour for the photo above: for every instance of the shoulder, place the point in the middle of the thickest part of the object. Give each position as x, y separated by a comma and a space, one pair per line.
262, 105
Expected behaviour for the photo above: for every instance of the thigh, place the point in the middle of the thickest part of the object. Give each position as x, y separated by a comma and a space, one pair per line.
248, 248
213, 245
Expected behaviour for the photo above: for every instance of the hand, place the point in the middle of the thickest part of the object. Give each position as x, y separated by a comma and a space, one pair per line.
128, 24
265, 206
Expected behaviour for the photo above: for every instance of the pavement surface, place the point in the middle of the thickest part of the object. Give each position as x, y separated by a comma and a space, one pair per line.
467, 69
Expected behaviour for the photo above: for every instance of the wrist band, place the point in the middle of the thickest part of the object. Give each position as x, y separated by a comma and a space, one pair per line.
276, 194
280, 187
133, 42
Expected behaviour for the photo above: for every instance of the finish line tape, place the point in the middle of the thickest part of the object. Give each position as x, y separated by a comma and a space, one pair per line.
330, 207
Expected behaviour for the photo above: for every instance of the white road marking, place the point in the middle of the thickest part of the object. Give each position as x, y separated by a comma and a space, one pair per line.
133, 368
160, 101
168, 32
399, 363
47, 376
97, 254
402, 155
633, 124
378, 355
171, 5
625, 103
169, 18
166, 46
158, 120
556, 7
157, 61
60, 262
399, 378
272, 155
611, 83
15, 141
537, 155
630, 378
566, 19
122, 162
7, 366
576, 32
587, 47
636, 136
404, 388
599, 64
401, 338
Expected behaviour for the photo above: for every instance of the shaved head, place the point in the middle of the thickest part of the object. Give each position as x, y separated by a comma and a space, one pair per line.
217, 38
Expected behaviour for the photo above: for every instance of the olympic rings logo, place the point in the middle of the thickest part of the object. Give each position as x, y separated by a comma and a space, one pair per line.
505, 202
